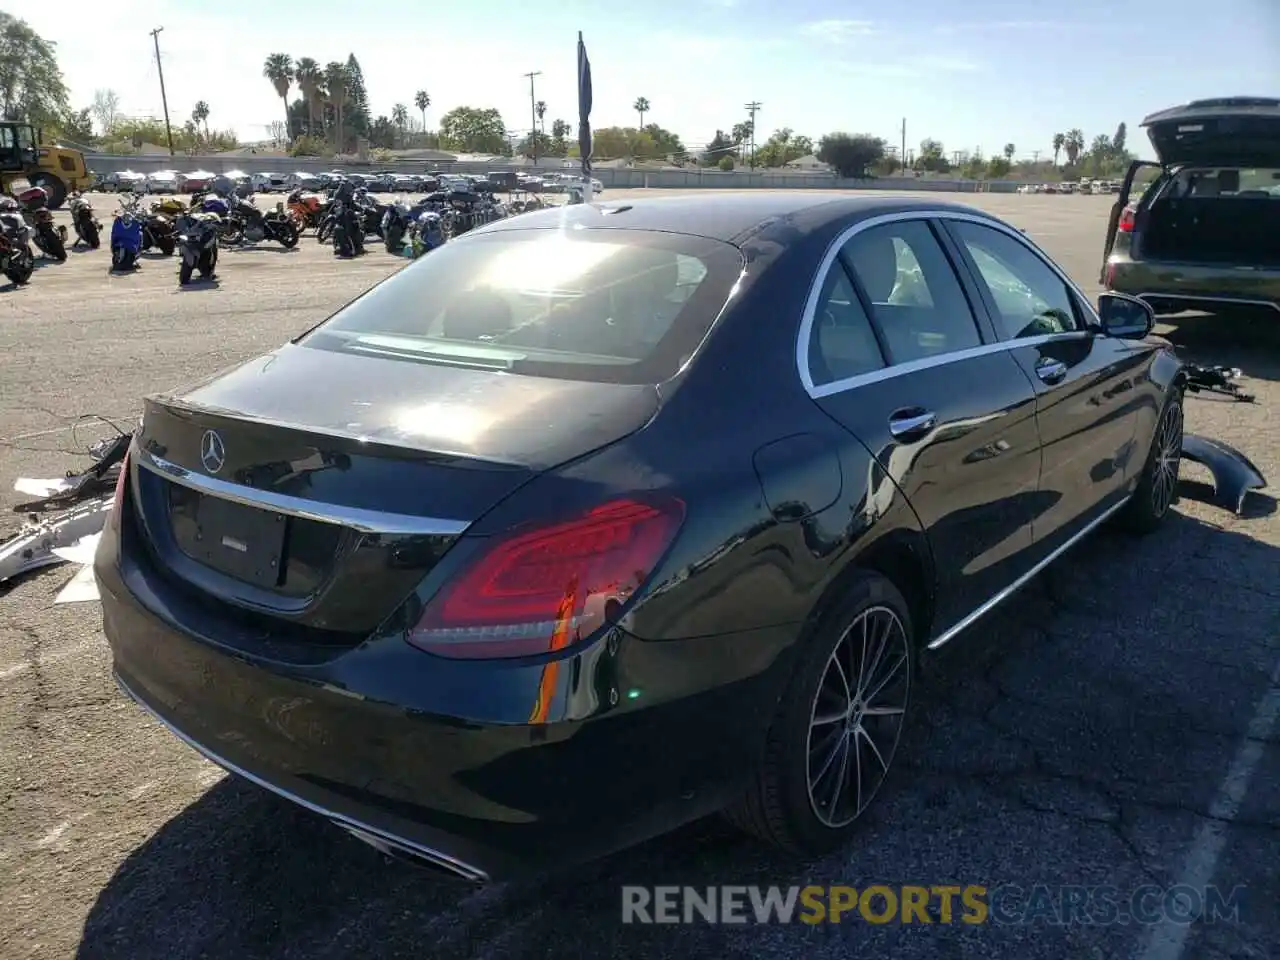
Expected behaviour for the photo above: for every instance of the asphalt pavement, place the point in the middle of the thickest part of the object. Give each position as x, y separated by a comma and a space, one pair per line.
1115, 725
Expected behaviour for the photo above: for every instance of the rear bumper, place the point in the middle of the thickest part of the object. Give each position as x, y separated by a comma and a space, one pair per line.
440, 761
1176, 287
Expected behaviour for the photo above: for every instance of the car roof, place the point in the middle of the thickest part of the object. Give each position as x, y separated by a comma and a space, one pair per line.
730, 217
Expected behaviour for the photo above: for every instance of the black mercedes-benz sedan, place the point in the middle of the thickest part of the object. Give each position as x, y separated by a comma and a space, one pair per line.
600, 519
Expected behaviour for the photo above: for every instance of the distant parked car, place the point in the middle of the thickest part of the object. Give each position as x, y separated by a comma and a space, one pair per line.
269, 182
196, 180
301, 180
406, 183
164, 181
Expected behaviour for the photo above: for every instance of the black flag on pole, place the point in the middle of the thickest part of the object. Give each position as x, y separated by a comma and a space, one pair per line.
584, 107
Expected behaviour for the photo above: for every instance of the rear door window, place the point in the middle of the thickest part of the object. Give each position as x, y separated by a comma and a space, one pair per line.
607, 305
915, 296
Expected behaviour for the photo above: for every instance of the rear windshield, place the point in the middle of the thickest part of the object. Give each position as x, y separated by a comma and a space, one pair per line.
614, 306
1204, 182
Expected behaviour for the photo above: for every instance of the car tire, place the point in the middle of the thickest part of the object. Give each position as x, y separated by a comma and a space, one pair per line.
809, 791
1157, 489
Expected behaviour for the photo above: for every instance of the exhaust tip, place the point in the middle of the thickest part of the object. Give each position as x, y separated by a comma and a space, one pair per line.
417, 856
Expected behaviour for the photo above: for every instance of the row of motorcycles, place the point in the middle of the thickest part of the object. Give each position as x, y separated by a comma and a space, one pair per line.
195, 229
25, 220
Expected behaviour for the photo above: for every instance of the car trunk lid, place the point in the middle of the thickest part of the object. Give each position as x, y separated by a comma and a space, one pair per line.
318, 489
1228, 131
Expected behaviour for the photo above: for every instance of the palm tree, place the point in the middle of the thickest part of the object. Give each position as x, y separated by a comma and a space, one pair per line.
400, 117
641, 106
1073, 144
338, 84
200, 116
1059, 141
306, 73
1009, 151
278, 68
540, 109
422, 100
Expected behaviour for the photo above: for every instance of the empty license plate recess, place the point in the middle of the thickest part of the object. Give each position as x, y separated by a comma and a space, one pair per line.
243, 542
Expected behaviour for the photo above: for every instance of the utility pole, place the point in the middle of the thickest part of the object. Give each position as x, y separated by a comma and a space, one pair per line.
164, 101
753, 108
904, 145
533, 115
1035, 156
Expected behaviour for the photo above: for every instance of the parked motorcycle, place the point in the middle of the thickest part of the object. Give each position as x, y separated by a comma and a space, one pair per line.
247, 224
88, 228
157, 227
127, 235
16, 259
198, 246
345, 225
368, 214
49, 238
307, 210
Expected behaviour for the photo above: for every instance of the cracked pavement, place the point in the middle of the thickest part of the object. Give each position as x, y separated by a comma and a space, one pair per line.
1081, 735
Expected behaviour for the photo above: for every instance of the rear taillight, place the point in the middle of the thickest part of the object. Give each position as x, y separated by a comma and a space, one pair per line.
546, 588
117, 504
1126, 220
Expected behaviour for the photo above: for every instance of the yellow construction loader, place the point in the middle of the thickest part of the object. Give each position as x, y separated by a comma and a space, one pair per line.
25, 160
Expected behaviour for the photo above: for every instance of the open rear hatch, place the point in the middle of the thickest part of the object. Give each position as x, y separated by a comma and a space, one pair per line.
317, 489
1225, 132
1219, 201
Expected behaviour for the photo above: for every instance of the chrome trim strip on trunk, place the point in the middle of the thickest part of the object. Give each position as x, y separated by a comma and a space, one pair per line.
952, 632
363, 831
365, 521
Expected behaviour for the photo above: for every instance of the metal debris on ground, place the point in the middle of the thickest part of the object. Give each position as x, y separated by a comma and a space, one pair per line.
65, 520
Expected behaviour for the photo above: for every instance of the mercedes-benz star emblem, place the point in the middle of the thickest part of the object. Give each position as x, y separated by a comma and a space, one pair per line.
212, 453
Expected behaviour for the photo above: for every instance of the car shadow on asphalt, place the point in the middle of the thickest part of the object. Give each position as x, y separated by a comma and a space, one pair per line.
1076, 734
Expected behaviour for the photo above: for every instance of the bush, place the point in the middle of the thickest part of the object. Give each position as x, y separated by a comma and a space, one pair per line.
725, 164
308, 146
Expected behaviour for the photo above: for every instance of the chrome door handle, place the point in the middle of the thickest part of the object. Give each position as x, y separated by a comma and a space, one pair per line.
908, 427
1051, 371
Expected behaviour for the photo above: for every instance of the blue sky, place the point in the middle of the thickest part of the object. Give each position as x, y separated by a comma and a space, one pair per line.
976, 74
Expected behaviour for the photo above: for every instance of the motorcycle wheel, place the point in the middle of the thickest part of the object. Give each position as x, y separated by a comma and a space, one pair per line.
231, 233
122, 259
166, 245
394, 240
325, 230
184, 272
52, 244
207, 262
89, 234
287, 234
21, 264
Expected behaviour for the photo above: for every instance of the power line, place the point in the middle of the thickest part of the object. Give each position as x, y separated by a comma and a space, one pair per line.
753, 108
164, 100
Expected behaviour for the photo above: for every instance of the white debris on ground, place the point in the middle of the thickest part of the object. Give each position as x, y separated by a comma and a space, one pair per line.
69, 536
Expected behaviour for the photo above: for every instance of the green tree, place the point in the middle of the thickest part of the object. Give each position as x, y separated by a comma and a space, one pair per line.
725, 163
337, 84
851, 154
382, 133
1009, 151
200, 117
782, 147
1059, 141
310, 80
559, 146
400, 117
77, 126
1118, 141
356, 111
105, 110
31, 83
422, 100
721, 145
932, 157
278, 69
474, 130
641, 106
1074, 145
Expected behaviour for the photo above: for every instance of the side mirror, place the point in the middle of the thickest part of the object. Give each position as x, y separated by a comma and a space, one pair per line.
1125, 317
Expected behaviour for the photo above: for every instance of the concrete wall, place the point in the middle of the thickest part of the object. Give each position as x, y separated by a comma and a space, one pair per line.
102, 164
